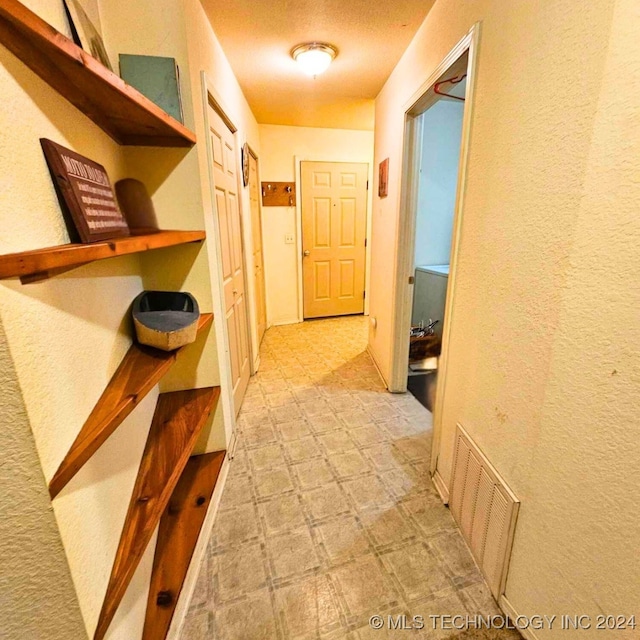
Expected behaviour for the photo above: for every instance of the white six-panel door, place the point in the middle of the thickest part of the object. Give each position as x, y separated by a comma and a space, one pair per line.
228, 211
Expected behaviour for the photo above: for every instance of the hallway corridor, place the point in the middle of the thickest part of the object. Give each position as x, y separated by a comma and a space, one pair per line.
329, 516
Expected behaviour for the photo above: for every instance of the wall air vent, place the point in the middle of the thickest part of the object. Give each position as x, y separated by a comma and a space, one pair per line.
484, 508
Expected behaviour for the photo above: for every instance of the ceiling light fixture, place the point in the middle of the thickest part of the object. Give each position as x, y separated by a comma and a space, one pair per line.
314, 57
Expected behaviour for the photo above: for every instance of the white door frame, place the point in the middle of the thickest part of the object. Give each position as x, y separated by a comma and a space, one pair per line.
403, 300
211, 97
256, 358
367, 254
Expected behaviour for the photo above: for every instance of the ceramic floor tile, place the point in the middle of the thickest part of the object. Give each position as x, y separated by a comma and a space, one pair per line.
313, 473
237, 493
258, 436
250, 619
302, 449
255, 418
343, 539
354, 418
285, 413
368, 493
336, 442
329, 514
196, 627
266, 457
279, 399
415, 448
411, 565
315, 407
388, 526
326, 501
350, 463
293, 430
429, 514
324, 422
437, 628
369, 434
281, 514
384, 457
308, 607
236, 526
238, 571
478, 599
273, 482
365, 586
292, 553
308, 394
454, 554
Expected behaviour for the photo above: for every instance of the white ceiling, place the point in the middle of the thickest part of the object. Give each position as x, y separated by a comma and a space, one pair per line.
370, 35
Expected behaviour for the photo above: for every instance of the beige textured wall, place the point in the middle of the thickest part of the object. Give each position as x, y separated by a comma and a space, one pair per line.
66, 336
544, 346
32, 555
280, 144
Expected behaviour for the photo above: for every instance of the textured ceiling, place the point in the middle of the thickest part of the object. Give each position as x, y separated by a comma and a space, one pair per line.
371, 36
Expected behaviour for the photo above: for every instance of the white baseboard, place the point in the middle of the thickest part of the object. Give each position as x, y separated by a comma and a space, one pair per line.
280, 323
375, 364
440, 486
508, 610
198, 556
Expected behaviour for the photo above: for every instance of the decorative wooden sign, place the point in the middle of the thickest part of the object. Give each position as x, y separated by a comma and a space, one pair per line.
278, 194
85, 193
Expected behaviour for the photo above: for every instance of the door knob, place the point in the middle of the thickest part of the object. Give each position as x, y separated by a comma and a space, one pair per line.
307, 253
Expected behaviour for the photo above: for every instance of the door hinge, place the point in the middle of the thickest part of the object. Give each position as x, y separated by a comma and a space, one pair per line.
367, 185
364, 295
411, 280
365, 242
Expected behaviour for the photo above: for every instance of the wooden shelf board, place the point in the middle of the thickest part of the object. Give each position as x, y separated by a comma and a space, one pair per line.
120, 110
140, 370
39, 264
178, 534
176, 425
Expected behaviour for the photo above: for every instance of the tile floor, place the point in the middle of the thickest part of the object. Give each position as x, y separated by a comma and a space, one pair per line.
328, 515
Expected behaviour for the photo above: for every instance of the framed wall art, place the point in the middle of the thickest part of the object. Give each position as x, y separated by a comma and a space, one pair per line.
383, 178
84, 32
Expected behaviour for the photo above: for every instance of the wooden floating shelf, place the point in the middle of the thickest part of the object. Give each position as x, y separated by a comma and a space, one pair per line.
178, 534
140, 370
39, 264
177, 423
120, 110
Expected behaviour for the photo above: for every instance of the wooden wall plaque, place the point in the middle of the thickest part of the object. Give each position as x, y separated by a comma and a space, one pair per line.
278, 194
85, 192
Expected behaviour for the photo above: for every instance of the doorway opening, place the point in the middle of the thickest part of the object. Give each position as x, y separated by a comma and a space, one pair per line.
437, 130
334, 230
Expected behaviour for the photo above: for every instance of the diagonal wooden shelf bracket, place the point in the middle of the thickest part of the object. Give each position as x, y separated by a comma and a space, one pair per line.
178, 534
177, 423
140, 370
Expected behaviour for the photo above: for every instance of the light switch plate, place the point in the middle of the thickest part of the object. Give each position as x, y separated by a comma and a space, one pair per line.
288, 238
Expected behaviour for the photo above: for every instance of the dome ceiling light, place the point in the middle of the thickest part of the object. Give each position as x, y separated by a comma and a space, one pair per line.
314, 57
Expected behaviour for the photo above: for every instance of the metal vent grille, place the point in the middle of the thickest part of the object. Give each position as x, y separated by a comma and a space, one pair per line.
484, 508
